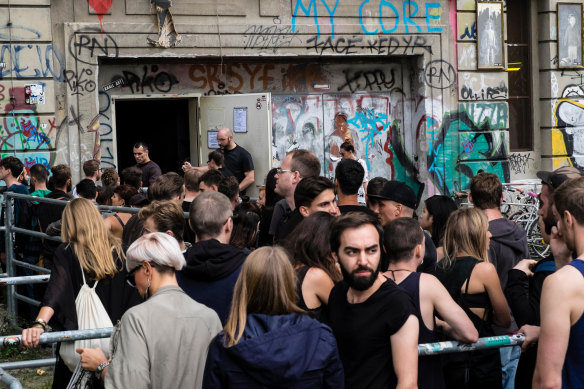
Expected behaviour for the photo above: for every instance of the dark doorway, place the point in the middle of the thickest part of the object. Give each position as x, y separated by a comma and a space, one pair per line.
163, 124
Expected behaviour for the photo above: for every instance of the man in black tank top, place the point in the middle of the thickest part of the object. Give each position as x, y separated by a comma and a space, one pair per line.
403, 240
372, 319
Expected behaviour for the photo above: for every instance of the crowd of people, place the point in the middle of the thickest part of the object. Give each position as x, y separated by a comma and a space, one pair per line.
318, 283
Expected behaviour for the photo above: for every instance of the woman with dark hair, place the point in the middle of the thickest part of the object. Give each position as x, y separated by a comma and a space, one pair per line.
246, 218
316, 271
267, 341
473, 283
437, 209
271, 198
120, 198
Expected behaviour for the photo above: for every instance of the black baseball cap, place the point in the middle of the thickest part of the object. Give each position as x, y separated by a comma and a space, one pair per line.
399, 192
559, 176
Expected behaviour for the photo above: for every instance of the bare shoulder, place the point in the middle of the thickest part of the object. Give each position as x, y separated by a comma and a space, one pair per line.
567, 279
485, 268
315, 274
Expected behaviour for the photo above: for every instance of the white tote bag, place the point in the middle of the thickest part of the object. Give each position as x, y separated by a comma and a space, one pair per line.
90, 314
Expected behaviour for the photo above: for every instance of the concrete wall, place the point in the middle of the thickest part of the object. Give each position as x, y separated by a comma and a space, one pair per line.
405, 72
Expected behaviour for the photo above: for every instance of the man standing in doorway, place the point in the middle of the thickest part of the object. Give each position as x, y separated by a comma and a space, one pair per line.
150, 170
237, 159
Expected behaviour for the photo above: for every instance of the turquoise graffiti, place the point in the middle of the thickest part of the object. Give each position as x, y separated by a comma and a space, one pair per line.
470, 140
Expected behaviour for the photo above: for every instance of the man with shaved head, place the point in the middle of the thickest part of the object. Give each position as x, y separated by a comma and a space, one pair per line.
237, 159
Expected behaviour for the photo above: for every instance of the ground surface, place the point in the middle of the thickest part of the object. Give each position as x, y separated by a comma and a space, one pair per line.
37, 378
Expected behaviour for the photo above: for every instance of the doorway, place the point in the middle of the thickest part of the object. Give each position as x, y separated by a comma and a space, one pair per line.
164, 124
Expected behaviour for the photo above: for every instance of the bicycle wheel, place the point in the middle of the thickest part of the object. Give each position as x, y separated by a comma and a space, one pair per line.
537, 247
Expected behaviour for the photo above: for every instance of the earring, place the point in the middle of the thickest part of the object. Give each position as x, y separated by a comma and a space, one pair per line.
148, 289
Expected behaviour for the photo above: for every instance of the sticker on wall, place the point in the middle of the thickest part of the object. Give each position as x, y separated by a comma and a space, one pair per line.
34, 94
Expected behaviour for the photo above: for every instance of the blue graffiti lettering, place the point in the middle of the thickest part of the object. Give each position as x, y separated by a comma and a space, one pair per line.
407, 18
47, 62
430, 16
395, 11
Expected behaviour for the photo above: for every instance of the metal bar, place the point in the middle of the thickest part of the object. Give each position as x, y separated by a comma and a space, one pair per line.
27, 299
481, 344
28, 364
25, 280
36, 233
31, 266
10, 268
9, 381
62, 336
9, 195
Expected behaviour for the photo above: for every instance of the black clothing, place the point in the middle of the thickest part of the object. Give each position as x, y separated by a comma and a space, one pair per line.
188, 234
430, 256
66, 280
226, 172
475, 369
363, 333
288, 223
133, 229
47, 214
150, 172
239, 161
523, 294
210, 274
356, 208
264, 236
430, 366
316, 313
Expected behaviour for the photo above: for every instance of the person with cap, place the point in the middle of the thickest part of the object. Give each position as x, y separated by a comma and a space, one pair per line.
396, 200
525, 280
508, 246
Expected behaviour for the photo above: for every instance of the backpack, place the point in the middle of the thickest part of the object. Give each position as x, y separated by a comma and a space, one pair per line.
90, 314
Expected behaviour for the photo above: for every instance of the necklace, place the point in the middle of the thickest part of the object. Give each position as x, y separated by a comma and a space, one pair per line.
392, 272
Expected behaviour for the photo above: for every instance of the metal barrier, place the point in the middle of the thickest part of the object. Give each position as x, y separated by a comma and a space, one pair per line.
9, 381
9, 278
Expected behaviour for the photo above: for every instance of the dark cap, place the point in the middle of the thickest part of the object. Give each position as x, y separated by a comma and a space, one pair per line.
398, 192
558, 176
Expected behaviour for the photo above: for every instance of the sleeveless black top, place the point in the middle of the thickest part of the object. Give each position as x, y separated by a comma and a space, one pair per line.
429, 367
316, 313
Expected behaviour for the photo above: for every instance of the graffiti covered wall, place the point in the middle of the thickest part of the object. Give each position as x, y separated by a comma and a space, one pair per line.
403, 73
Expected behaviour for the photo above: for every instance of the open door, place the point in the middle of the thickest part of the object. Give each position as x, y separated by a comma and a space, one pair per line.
249, 116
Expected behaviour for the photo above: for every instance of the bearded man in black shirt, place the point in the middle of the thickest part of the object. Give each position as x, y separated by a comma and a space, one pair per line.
372, 319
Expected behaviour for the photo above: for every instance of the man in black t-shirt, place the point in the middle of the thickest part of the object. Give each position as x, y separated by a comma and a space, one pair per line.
150, 170
237, 159
372, 319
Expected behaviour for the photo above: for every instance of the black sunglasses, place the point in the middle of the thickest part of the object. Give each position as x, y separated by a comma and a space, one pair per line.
130, 277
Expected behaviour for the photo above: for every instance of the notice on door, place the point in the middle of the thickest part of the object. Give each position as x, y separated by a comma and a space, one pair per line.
240, 119
212, 142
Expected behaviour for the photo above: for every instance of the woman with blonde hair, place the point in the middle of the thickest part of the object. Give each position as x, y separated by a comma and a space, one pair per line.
267, 341
473, 283
89, 254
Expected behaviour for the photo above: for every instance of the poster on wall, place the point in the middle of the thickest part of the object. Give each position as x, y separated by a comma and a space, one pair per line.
490, 35
569, 19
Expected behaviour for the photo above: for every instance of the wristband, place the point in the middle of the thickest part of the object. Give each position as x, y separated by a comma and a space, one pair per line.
100, 368
40, 323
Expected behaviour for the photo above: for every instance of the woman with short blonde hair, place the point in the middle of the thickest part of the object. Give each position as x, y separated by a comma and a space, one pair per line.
267, 341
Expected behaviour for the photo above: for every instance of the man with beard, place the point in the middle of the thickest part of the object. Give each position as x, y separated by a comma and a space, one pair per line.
560, 354
525, 280
372, 319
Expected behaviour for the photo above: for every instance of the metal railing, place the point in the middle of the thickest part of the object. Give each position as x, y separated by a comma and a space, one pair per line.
9, 278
